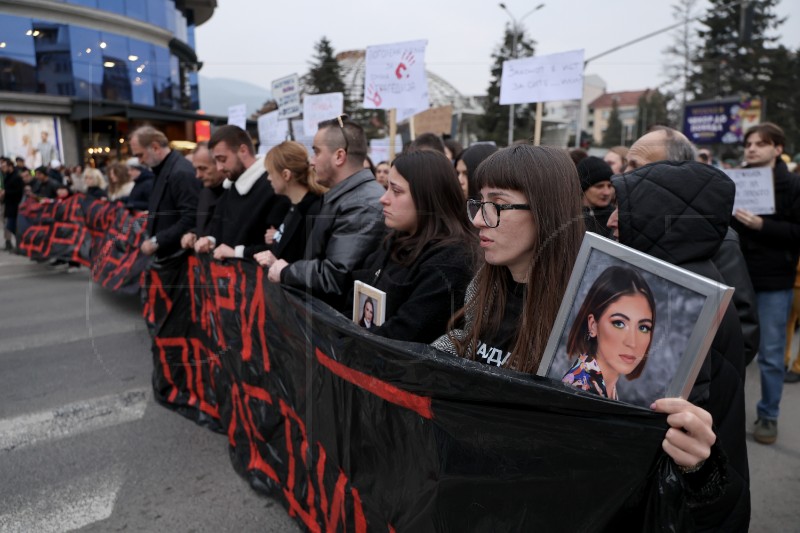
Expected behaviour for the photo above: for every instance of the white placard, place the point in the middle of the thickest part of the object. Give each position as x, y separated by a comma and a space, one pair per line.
405, 114
300, 135
237, 115
379, 148
271, 131
286, 92
542, 79
755, 190
319, 107
395, 76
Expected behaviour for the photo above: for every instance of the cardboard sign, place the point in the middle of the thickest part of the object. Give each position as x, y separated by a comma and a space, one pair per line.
395, 76
286, 92
237, 115
436, 120
542, 79
755, 190
271, 131
319, 107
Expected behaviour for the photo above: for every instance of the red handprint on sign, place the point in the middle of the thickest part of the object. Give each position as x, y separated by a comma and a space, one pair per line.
373, 95
406, 60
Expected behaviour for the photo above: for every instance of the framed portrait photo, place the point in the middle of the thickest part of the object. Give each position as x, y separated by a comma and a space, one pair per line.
631, 327
369, 306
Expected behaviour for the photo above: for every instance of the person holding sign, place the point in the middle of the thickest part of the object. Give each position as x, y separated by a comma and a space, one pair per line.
771, 246
530, 229
427, 259
349, 225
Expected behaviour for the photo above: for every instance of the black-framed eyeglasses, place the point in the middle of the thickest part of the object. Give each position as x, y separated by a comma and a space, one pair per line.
491, 216
341, 119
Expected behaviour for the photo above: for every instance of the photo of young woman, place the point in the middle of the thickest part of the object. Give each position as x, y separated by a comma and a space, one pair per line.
367, 314
612, 333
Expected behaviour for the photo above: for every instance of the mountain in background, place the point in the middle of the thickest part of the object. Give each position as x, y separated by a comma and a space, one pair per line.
217, 94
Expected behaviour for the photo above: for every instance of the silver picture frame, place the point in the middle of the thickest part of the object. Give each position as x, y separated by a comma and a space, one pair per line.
689, 309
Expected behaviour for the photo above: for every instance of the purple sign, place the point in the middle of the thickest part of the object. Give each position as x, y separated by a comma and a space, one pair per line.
720, 122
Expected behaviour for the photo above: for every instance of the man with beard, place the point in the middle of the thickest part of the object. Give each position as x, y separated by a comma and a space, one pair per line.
249, 206
212, 179
173, 202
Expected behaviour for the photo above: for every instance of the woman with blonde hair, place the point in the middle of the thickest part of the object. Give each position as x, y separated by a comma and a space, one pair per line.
617, 158
292, 176
95, 184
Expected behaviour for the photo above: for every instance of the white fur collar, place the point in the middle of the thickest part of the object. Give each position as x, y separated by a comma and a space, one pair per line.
248, 178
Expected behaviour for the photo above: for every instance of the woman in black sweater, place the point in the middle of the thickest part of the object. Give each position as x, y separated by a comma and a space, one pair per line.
428, 256
290, 176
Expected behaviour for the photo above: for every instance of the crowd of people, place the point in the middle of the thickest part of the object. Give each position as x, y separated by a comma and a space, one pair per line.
473, 249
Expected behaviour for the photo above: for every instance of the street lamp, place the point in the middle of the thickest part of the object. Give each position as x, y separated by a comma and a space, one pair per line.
515, 29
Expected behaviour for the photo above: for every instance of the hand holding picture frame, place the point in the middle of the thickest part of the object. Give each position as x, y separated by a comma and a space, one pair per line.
632, 327
369, 306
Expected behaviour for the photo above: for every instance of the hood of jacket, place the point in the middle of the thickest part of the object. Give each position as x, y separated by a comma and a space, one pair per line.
677, 211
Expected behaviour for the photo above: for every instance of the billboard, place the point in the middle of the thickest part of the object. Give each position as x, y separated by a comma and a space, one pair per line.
722, 121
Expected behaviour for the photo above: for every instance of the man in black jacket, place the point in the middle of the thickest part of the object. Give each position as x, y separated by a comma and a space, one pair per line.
771, 246
249, 206
667, 144
212, 179
11, 195
173, 202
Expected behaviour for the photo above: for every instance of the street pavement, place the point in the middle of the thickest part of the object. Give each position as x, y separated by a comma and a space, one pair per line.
84, 447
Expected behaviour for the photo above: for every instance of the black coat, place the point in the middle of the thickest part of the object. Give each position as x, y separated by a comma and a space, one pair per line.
679, 212
243, 219
96, 192
773, 251
14, 188
207, 202
139, 198
420, 298
173, 203
596, 218
294, 231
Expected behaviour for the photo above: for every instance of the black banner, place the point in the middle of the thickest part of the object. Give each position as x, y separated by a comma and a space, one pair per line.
355, 432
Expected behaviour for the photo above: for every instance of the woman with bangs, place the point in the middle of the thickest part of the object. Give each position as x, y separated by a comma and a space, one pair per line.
291, 175
428, 256
530, 227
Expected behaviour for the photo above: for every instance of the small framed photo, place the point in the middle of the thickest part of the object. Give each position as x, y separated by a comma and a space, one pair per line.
369, 306
631, 327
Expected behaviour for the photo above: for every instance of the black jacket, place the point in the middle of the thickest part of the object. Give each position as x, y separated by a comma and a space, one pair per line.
173, 203
207, 201
293, 232
14, 188
420, 298
142, 189
679, 212
596, 218
96, 192
772, 252
46, 188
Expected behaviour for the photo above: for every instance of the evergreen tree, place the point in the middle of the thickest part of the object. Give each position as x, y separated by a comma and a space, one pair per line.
678, 65
731, 62
494, 121
325, 75
267, 107
652, 111
613, 134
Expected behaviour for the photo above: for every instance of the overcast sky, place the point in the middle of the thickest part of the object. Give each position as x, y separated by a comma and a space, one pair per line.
259, 41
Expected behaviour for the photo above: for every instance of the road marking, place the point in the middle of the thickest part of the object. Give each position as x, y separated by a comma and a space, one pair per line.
16, 344
72, 419
66, 507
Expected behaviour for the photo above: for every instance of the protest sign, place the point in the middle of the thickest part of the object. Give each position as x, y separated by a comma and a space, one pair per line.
722, 121
271, 131
407, 113
237, 115
755, 190
438, 120
286, 92
379, 148
542, 79
395, 77
319, 107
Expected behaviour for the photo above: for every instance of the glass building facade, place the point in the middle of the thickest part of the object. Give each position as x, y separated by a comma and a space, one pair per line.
43, 57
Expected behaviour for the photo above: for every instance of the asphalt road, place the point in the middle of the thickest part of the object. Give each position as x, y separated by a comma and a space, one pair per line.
84, 447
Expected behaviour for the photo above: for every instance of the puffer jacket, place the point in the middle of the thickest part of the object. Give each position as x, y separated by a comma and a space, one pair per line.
348, 228
679, 212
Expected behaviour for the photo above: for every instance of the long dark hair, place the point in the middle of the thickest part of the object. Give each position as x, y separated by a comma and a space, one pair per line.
441, 212
472, 158
614, 283
548, 179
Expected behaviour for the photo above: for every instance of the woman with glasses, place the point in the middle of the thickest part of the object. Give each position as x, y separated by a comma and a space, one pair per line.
530, 228
427, 258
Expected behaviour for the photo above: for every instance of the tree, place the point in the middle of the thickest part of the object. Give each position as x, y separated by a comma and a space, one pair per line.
494, 121
325, 75
266, 107
678, 66
652, 111
613, 134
